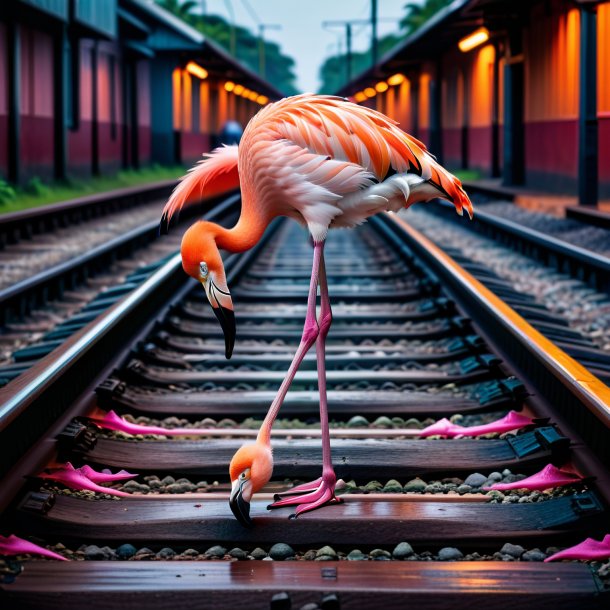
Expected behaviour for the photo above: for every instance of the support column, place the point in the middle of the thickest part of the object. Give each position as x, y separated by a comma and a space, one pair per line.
60, 45
587, 120
436, 121
513, 169
495, 114
14, 94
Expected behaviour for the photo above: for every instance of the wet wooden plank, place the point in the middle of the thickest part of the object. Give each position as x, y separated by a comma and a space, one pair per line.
167, 376
198, 585
351, 523
360, 459
341, 404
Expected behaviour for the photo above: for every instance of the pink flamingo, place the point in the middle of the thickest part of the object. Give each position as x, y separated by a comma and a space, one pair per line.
327, 163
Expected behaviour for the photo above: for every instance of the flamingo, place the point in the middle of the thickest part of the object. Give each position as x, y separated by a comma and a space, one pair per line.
327, 163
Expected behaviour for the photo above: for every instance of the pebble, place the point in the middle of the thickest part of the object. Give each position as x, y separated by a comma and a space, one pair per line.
464, 489
281, 551
190, 553
514, 550
433, 488
166, 553
238, 553
415, 485
310, 555
326, 551
380, 554
93, 552
356, 555
373, 486
126, 551
258, 553
168, 480
475, 480
402, 550
216, 551
383, 422
392, 486
495, 476
533, 555
449, 553
358, 422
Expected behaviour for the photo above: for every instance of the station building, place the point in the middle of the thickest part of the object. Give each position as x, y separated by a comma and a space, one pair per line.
92, 86
517, 90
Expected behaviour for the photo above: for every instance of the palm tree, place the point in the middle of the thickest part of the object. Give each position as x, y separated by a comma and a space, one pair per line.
418, 14
183, 9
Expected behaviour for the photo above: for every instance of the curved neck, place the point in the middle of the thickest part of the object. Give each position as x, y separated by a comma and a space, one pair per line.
245, 234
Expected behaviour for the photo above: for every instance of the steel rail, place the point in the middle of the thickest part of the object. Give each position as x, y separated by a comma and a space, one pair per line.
569, 258
22, 224
562, 380
43, 392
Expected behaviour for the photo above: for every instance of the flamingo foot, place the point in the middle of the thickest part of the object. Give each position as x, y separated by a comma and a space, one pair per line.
312, 495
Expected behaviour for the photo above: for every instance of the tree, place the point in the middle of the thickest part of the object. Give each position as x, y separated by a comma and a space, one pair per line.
279, 67
333, 72
418, 14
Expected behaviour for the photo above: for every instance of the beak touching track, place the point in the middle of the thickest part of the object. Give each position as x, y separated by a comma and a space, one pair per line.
239, 506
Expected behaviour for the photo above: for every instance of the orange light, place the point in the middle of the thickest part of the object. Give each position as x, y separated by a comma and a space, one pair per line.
473, 40
196, 70
262, 100
359, 97
238, 90
370, 92
252, 96
381, 86
245, 92
396, 79
229, 86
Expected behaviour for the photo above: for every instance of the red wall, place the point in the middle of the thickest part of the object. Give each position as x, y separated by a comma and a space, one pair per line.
479, 148
79, 140
144, 118
193, 145
551, 155
36, 103
452, 146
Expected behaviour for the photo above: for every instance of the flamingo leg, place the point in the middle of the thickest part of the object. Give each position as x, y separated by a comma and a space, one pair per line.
322, 490
308, 338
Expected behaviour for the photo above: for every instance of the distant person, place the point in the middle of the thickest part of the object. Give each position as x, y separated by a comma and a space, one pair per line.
231, 133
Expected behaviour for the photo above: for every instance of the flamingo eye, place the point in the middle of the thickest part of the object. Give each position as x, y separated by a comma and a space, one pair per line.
203, 269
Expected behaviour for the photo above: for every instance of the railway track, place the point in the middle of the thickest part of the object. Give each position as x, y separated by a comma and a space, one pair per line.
418, 346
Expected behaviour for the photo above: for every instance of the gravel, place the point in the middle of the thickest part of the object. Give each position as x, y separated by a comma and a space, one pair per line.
585, 310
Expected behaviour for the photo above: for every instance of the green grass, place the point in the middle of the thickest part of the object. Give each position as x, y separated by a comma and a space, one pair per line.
466, 175
36, 193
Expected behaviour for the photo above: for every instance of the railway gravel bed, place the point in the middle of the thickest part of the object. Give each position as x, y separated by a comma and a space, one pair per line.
585, 310
45, 250
574, 232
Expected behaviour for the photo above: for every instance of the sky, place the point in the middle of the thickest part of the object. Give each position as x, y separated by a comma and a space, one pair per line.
302, 35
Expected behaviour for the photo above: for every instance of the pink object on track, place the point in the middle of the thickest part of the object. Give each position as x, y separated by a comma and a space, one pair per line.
443, 427
549, 476
112, 421
12, 545
76, 479
587, 550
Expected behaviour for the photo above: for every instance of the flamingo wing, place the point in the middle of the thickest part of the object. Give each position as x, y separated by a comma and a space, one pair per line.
215, 174
331, 126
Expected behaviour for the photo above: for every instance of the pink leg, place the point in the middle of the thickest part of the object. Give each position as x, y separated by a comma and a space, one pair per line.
322, 490
310, 334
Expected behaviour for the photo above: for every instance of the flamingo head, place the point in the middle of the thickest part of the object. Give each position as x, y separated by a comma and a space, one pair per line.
250, 470
202, 261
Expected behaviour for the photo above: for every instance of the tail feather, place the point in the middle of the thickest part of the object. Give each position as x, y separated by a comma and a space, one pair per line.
215, 174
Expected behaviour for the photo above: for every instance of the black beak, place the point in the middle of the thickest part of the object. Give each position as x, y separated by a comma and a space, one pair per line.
241, 509
226, 317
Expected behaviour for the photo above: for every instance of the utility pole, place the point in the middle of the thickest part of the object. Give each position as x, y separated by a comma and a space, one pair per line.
261, 44
374, 32
348, 38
